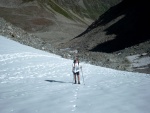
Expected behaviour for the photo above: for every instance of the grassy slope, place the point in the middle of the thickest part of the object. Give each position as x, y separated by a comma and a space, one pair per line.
70, 9
92, 9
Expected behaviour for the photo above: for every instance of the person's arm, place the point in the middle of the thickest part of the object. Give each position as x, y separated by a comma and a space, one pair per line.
73, 67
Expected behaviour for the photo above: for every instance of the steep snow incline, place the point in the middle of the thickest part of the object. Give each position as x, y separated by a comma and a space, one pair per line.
33, 81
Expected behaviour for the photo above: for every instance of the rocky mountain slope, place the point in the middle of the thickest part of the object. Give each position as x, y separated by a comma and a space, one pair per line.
55, 25
120, 32
122, 26
55, 21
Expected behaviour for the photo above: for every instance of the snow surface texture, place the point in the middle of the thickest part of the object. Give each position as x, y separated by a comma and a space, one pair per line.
33, 81
139, 61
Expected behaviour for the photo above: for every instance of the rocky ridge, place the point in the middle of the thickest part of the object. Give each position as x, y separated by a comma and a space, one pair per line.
118, 33
23, 37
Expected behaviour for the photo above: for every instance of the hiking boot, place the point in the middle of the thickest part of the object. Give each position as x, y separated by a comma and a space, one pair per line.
75, 82
78, 82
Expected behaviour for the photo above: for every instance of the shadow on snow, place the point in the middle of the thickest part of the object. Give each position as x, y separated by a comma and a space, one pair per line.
57, 81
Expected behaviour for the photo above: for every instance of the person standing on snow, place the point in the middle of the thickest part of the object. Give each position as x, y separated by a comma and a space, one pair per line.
76, 71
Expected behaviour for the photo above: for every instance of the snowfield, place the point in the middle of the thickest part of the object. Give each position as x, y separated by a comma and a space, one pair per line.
34, 81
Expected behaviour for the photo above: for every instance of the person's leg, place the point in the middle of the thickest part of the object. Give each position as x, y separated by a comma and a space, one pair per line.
75, 81
78, 77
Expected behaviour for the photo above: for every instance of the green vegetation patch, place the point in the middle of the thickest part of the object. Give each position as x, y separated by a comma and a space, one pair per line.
27, 0
58, 9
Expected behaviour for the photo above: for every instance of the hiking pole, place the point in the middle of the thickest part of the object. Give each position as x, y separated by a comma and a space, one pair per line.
82, 76
73, 79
